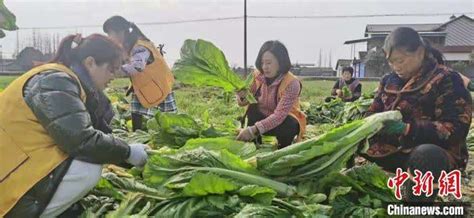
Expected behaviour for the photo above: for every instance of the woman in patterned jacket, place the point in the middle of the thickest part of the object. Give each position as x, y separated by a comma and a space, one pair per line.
435, 105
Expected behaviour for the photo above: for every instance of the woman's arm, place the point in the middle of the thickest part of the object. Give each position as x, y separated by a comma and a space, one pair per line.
55, 101
288, 99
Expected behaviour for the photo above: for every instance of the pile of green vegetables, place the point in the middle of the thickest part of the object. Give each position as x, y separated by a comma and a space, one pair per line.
217, 177
338, 112
197, 170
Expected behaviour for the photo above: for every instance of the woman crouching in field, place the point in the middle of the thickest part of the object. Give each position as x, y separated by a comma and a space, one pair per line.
277, 90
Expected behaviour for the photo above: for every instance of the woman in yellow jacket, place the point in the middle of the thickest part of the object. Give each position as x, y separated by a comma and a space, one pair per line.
151, 77
54, 129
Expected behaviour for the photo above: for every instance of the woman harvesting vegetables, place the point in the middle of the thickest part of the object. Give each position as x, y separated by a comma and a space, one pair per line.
277, 111
435, 105
53, 129
347, 88
152, 80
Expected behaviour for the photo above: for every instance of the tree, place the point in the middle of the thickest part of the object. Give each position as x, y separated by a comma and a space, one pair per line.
460, 66
375, 63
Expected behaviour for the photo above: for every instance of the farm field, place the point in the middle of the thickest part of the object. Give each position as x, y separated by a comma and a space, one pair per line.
210, 107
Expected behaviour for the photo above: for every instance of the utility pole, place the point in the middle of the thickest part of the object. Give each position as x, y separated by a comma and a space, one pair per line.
17, 47
320, 58
245, 38
330, 58
1, 58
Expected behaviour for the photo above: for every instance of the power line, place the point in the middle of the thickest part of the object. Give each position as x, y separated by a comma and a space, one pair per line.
260, 17
359, 16
142, 24
192, 21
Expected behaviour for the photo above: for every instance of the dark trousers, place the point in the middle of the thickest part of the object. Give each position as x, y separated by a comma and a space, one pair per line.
285, 132
425, 157
137, 121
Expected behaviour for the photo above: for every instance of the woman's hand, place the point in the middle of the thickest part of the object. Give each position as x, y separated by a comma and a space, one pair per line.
241, 97
394, 127
138, 156
248, 134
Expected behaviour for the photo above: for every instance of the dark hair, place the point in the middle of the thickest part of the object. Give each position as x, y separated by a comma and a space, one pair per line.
349, 69
120, 24
279, 51
408, 39
97, 46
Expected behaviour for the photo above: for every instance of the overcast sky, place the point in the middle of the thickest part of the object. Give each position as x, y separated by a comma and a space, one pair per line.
304, 38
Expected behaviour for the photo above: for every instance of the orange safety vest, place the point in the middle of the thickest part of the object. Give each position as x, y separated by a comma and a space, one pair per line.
27, 152
295, 110
155, 82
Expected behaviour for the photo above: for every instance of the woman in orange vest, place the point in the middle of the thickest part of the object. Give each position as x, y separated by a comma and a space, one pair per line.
54, 129
151, 77
277, 91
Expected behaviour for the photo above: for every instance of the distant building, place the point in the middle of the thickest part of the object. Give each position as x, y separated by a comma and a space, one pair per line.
9, 66
298, 69
241, 70
24, 61
455, 39
312, 70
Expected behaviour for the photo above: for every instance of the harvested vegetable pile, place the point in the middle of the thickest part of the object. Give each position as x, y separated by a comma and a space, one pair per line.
338, 112
221, 177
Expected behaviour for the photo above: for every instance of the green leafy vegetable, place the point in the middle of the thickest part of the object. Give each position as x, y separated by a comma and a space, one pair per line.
239, 148
203, 64
321, 155
174, 171
203, 184
7, 19
263, 195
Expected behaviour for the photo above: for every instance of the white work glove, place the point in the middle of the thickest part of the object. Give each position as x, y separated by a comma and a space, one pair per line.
247, 134
138, 155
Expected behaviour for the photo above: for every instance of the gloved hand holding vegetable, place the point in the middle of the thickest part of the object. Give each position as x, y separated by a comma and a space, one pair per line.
394, 127
138, 155
248, 134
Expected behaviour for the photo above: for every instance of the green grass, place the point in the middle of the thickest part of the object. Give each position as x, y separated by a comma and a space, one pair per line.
213, 106
314, 91
218, 109
209, 105
196, 101
5, 80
